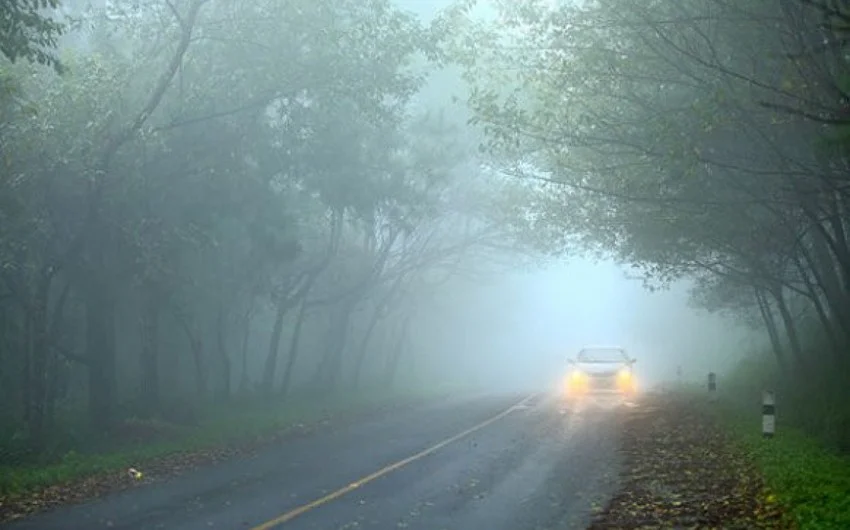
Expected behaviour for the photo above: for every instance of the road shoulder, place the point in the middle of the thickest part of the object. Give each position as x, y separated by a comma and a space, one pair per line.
104, 474
683, 470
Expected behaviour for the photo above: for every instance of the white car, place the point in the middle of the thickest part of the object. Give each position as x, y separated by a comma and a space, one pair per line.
601, 370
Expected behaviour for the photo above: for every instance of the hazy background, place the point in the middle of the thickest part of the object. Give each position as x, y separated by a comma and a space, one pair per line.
509, 321
529, 322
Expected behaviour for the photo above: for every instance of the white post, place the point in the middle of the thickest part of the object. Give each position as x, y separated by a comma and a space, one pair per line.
768, 414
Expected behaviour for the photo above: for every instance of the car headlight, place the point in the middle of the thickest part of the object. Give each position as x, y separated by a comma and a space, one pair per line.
625, 380
576, 381
578, 376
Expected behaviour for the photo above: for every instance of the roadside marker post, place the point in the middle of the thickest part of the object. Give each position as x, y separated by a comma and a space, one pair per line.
768, 414
712, 386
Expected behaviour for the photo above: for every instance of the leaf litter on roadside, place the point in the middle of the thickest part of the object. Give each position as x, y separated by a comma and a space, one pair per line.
683, 472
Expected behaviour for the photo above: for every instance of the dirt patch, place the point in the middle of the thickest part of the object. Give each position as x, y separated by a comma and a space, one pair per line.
683, 471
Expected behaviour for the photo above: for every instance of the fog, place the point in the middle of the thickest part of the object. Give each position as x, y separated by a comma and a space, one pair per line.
517, 332
246, 203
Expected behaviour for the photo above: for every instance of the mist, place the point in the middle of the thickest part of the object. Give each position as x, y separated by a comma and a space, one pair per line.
271, 246
250, 214
516, 331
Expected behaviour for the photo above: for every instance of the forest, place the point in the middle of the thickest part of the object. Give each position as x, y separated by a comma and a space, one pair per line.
207, 202
698, 139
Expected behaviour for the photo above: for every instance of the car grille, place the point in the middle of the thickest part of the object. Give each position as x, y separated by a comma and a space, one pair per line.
603, 383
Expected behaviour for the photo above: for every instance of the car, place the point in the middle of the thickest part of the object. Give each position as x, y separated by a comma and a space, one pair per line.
601, 370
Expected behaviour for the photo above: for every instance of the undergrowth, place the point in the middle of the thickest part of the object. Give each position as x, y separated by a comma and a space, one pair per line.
806, 465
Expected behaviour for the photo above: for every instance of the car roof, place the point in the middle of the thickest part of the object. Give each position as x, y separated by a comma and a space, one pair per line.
586, 354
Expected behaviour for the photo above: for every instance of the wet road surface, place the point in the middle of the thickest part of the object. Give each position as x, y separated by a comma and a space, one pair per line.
474, 463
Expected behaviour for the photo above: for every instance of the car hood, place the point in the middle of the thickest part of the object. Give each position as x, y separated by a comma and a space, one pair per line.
600, 370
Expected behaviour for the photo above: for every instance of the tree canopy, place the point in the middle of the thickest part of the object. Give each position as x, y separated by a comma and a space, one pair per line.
26, 32
698, 139
218, 200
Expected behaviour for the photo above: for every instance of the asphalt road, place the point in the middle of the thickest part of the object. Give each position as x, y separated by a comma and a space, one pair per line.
478, 463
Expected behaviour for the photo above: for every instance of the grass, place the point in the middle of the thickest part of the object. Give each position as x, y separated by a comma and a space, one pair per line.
220, 427
810, 481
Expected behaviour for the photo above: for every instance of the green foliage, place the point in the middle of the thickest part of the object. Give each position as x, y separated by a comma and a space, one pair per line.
27, 33
185, 171
807, 479
816, 405
655, 126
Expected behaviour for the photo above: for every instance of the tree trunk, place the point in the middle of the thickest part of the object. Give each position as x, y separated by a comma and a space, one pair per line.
196, 347
363, 348
819, 261
270, 366
839, 253
26, 368
330, 367
224, 373
396, 354
300, 295
40, 354
201, 379
817, 303
772, 330
790, 328
840, 238
376, 317
57, 368
150, 384
100, 340
244, 380
293, 349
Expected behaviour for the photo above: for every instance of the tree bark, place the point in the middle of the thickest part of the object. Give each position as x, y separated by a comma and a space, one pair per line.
150, 381
337, 218
100, 340
293, 349
40, 353
817, 303
223, 390
270, 366
361, 352
244, 380
196, 347
26, 367
327, 375
790, 327
772, 330
819, 261
57, 368
363, 348
396, 354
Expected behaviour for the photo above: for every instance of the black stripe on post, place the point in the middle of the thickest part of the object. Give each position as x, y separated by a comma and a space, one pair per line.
768, 414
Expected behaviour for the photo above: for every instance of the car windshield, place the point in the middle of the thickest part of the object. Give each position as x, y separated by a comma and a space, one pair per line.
605, 355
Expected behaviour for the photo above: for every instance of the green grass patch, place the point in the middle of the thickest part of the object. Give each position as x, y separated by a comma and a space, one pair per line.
811, 482
219, 427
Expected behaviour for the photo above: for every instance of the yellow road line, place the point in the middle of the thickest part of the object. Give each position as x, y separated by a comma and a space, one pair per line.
292, 514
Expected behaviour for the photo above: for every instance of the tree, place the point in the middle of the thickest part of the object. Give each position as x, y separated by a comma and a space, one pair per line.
683, 138
27, 33
215, 193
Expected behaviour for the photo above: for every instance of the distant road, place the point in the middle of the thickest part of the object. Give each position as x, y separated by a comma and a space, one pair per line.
482, 463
